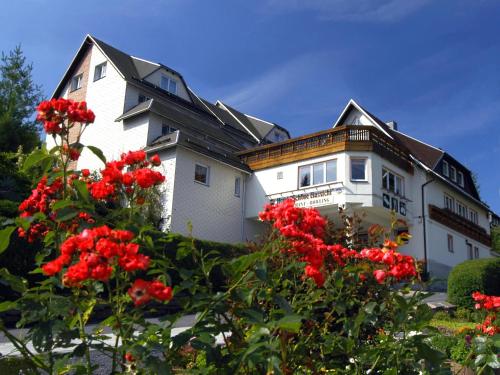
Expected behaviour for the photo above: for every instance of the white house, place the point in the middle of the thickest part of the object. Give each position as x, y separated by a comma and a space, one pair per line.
222, 166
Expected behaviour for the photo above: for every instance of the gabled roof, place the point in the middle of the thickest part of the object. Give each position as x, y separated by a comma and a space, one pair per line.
382, 126
427, 154
129, 67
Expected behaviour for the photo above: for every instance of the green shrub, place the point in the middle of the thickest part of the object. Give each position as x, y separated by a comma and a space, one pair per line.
178, 248
467, 277
441, 315
444, 343
8, 209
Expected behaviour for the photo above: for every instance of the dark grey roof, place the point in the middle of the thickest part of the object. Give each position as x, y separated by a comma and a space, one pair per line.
262, 126
121, 60
139, 108
198, 145
144, 68
244, 121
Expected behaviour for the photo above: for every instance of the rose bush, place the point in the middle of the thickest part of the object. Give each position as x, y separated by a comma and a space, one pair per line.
302, 301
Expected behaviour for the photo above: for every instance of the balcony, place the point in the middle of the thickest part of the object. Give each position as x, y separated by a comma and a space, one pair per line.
342, 138
460, 224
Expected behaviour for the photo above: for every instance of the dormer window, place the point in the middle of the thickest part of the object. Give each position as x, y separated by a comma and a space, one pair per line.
453, 173
76, 82
446, 169
460, 179
168, 84
100, 71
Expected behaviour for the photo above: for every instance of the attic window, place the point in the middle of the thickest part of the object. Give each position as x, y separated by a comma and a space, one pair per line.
460, 179
446, 170
168, 84
453, 173
76, 82
100, 71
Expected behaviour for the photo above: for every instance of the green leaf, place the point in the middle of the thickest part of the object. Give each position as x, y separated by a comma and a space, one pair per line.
97, 152
61, 204
7, 305
243, 262
5, 238
35, 158
290, 323
67, 213
81, 187
370, 307
17, 283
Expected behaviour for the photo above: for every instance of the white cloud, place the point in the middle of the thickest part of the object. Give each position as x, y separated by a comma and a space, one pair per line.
351, 10
262, 91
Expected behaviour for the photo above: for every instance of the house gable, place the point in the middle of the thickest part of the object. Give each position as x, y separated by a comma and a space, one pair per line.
354, 114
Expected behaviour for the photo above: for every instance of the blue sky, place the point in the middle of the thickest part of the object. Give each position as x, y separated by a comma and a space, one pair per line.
433, 66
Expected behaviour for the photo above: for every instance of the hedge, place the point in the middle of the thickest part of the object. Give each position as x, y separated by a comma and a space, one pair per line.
479, 274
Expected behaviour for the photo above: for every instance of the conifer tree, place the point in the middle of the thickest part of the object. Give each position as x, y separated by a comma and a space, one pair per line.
19, 96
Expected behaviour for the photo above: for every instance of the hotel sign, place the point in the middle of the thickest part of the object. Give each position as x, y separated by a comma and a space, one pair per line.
311, 199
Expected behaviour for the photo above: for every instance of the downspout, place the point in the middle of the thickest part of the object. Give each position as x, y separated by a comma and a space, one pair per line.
424, 226
243, 206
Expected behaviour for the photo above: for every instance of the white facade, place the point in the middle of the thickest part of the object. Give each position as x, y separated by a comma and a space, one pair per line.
219, 211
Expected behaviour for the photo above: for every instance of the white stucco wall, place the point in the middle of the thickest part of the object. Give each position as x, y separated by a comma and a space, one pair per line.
214, 211
105, 97
168, 164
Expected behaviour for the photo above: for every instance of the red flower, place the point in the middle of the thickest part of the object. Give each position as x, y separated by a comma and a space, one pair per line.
380, 276
99, 251
143, 291
139, 292
155, 160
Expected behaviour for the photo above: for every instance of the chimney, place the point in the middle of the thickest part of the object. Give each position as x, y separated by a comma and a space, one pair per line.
392, 124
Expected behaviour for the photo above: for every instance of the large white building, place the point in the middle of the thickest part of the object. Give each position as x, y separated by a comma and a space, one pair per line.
222, 166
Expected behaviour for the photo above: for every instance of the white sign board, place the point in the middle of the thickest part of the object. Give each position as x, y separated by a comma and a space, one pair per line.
311, 199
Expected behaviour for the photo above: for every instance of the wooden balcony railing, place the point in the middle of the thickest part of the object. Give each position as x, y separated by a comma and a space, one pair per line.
460, 224
343, 138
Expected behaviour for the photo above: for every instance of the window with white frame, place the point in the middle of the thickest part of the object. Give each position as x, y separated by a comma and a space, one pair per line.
461, 209
450, 243
476, 252
100, 71
449, 203
460, 179
358, 169
470, 255
167, 129
446, 169
168, 84
473, 216
76, 82
453, 173
392, 182
201, 174
237, 186
318, 173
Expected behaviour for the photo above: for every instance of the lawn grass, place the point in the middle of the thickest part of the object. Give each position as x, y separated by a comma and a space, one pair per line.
452, 325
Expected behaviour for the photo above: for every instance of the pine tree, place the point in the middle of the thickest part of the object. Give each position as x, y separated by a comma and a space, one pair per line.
19, 96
